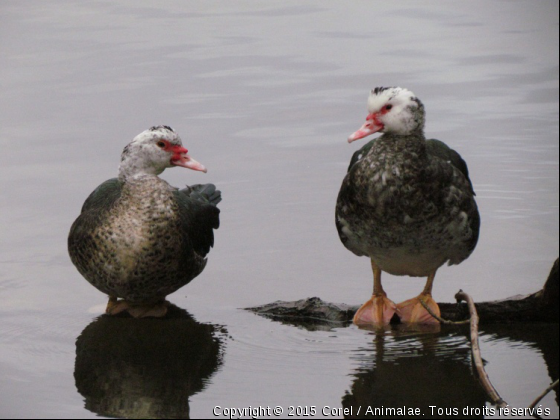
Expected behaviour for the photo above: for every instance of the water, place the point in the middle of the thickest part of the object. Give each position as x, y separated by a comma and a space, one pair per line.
265, 94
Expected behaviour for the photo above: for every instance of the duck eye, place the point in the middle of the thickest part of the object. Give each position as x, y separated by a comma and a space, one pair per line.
161, 144
388, 107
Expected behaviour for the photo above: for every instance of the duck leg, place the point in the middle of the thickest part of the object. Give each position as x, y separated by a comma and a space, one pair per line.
379, 309
412, 310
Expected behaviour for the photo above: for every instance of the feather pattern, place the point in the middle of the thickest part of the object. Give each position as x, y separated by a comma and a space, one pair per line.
407, 202
141, 239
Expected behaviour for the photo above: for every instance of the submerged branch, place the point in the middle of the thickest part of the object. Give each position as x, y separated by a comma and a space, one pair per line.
475, 348
544, 394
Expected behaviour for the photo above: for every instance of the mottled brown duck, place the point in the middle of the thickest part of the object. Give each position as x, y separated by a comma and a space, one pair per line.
140, 239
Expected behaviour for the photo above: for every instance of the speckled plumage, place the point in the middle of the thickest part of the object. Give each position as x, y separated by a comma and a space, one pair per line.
140, 239
407, 203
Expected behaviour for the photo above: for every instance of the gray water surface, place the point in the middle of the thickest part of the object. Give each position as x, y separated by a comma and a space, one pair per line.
265, 95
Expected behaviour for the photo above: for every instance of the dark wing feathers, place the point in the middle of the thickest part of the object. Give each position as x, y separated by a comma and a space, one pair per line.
104, 196
439, 149
206, 193
199, 215
100, 201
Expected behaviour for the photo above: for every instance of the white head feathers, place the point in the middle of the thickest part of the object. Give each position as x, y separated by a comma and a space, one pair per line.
143, 155
405, 113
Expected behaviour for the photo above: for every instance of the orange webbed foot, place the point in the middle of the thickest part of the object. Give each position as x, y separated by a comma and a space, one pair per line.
412, 311
377, 311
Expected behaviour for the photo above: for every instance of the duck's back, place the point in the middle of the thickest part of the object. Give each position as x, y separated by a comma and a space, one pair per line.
143, 240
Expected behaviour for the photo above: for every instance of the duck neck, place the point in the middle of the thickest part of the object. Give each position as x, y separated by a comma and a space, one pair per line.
134, 169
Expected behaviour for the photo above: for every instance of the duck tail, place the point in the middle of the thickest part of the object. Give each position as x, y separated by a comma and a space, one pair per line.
207, 193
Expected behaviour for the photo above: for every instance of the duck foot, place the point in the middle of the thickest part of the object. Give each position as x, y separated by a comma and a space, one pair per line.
156, 310
377, 311
412, 311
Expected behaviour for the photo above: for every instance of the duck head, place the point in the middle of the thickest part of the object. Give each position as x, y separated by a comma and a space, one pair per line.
153, 151
391, 110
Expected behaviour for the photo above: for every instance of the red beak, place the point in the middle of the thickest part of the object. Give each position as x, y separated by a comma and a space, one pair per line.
372, 125
181, 158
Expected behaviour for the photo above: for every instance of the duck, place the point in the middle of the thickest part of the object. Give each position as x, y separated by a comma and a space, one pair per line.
407, 203
139, 239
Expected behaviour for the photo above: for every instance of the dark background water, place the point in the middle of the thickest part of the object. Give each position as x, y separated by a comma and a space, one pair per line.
265, 94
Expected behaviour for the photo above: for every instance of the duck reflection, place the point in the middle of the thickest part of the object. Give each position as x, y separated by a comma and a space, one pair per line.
415, 369
146, 368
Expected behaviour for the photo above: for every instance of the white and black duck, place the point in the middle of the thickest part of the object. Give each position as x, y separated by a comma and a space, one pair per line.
407, 203
137, 237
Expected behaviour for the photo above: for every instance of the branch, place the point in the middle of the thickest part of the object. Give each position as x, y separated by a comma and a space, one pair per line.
477, 358
440, 319
546, 391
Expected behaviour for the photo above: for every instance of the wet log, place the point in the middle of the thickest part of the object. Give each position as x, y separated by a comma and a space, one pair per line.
539, 307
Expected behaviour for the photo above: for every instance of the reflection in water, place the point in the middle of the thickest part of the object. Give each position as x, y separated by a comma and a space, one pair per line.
416, 370
146, 368
543, 337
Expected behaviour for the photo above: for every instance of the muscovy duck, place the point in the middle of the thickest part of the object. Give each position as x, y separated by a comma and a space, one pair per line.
407, 203
137, 237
